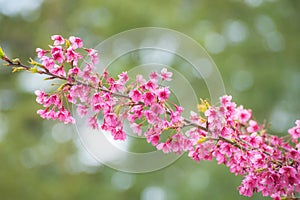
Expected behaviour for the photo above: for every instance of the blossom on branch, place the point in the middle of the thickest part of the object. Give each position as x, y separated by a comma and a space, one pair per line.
227, 133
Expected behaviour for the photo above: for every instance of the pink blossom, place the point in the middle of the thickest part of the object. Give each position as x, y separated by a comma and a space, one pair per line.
57, 54
153, 139
175, 116
123, 77
220, 157
225, 100
41, 96
178, 143
79, 91
248, 186
243, 114
74, 71
111, 120
150, 116
118, 134
255, 140
157, 109
148, 98
47, 114
135, 95
76, 42
82, 110
117, 86
40, 52
163, 94
140, 80
51, 114
164, 146
48, 62
165, 75
136, 128
93, 55
295, 131
154, 76
211, 114
194, 117
53, 100
73, 56
58, 70
43, 113
58, 39
227, 133
194, 154
86, 73
137, 111
65, 116
92, 121
253, 126
151, 86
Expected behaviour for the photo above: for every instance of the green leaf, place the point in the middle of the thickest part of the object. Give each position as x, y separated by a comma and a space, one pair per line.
33, 70
32, 62
2, 54
16, 69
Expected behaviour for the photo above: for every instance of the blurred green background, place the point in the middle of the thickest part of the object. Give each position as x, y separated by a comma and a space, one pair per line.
254, 43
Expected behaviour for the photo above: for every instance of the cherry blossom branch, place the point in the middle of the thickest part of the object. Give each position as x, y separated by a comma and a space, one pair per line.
227, 133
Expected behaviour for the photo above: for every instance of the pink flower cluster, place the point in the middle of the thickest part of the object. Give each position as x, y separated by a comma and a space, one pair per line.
227, 133
295, 133
270, 165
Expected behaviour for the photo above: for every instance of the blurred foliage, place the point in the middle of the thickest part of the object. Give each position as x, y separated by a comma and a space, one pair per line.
254, 43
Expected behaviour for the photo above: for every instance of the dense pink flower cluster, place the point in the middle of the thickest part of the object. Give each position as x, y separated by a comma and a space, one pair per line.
227, 133
270, 165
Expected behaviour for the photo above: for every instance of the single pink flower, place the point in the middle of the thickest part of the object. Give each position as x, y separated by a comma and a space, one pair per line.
163, 94
93, 54
48, 62
157, 109
43, 113
40, 52
57, 53
253, 126
164, 146
137, 111
92, 121
194, 117
136, 128
225, 100
148, 98
58, 70
76, 42
41, 96
151, 86
165, 75
51, 114
123, 77
118, 134
153, 139
135, 95
295, 131
53, 100
74, 71
82, 110
154, 76
58, 39
243, 115
72, 56
150, 116
140, 80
